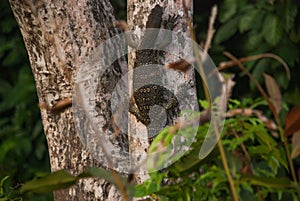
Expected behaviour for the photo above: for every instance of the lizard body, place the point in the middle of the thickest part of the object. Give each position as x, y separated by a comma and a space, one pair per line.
146, 96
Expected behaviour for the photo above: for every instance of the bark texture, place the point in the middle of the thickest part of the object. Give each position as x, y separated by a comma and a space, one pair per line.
59, 36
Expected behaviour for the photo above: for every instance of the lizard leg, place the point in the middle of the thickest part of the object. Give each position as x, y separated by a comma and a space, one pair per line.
168, 24
130, 38
133, 109
173, 103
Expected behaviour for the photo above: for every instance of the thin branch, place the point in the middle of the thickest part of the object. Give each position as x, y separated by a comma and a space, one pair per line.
228, 64
245, 70
211, 30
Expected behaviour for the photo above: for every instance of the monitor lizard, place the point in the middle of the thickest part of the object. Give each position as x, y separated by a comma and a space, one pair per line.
153, 97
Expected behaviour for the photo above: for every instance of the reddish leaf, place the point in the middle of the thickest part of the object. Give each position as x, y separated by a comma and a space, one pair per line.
274, 92
295, 144
292, 121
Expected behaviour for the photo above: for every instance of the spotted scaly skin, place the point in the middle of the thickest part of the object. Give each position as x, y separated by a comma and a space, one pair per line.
146, 96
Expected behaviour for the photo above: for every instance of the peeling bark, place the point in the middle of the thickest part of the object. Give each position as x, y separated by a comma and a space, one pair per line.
59, 36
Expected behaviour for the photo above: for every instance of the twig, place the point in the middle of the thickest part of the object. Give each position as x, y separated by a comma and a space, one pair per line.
228, 64
248, 112
244, 69
211, 30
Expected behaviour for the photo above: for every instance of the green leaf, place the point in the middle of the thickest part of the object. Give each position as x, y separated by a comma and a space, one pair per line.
2, 185
289, 52
247, 20
258, 70
62, 179
264, 138
267, 182
279, 155
57, 180
171, 191
227, 30
142, 190
101, 173
204, 104
290, 12
10, 144
233, 103
272, 30
159, 140
295, 34
37, 129
192, 159
228, 9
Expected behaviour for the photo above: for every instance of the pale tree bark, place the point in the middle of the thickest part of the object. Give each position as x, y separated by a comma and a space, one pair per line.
59, 36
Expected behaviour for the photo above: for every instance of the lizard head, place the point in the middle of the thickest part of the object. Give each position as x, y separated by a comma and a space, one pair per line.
155, 17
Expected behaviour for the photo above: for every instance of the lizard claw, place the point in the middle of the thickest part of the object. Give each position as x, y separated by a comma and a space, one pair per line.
171, 22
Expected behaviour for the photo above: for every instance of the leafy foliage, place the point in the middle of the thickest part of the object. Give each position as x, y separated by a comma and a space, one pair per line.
256, 159
255, 27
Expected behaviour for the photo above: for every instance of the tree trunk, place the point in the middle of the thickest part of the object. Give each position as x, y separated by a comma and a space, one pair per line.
59, 37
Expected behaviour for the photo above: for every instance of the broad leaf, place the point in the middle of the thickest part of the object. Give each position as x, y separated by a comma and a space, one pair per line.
272, 30
227, 30
57, 180
267, 182
229, 9
142, 190
2, 185
103, 174
274, 92
290, 12
62, 179
247, 20
292, 121
296, 144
